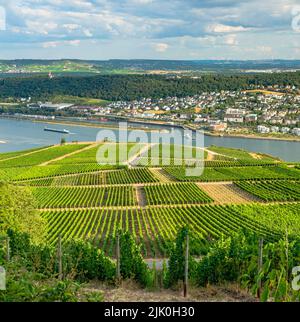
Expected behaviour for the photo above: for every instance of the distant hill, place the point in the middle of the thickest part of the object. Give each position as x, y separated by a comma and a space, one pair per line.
134, 66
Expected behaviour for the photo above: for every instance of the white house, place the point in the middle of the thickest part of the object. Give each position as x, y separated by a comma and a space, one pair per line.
285, 130
296, 131
263, 129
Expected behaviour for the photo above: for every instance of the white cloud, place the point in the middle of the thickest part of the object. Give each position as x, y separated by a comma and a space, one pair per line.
220, 28
231, 40
161, 47
54, 44
41, 28
73, 42
71, 26
50, 44
2, 19
88, 33
141, 2
265, 49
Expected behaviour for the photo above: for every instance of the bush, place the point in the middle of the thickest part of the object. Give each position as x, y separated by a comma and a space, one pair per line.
176, 267
83, 261
131, 262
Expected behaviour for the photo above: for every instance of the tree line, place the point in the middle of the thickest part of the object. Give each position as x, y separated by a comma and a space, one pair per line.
131, 87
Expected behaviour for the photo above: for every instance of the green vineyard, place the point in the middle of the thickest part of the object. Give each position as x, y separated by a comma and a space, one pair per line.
125, 176
62, 197
41, 156
182, 193
28, 173
9, 155
110, 153
154, 228
80, 198
272, 190
236, 173
227, 153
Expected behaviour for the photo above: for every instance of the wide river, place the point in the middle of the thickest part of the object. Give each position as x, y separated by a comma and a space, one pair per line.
20, 134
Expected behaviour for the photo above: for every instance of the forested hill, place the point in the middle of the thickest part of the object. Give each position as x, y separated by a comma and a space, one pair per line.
129, 87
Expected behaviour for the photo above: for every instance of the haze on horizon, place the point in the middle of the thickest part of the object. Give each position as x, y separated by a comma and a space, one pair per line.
150, 29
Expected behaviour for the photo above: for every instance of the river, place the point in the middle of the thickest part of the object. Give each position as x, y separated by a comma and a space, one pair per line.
22, 134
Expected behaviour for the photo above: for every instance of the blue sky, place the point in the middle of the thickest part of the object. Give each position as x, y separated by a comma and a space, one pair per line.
154, 29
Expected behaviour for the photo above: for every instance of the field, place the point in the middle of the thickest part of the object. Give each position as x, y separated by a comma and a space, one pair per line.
172, 154
9, 155
109, 176
182, 193
35, 172
227, 193
62, 197
155, 228
273, 190
240, 154
80, 198
104, 153
236, 173
40, 156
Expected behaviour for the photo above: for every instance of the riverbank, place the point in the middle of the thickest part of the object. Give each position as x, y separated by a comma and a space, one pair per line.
253, 136
22, 135
144, 123
83, 124
142, 128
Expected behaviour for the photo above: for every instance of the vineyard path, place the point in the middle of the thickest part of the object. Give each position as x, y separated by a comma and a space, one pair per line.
160, 206
211, 154
134, 159
70, 154
141, 197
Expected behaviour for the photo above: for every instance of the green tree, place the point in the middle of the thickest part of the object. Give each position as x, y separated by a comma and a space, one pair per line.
18, 212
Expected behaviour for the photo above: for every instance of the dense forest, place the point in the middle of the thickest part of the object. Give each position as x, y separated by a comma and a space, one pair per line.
130, 87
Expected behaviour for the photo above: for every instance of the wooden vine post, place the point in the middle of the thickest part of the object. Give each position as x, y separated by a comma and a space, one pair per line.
260, 265
118, 256
60, 266
7, 249
186, 268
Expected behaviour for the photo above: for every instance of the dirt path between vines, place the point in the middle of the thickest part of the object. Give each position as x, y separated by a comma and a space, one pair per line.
210, 155
256, 156
134, 160
141, 196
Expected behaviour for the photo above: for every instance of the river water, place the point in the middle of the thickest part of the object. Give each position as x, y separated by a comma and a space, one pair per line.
20, 134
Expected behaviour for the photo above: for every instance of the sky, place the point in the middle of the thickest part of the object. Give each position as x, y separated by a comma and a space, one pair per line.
150, 29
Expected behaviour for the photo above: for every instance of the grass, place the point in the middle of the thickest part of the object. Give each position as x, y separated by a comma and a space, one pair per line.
240, 154
265, 92
78, 100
